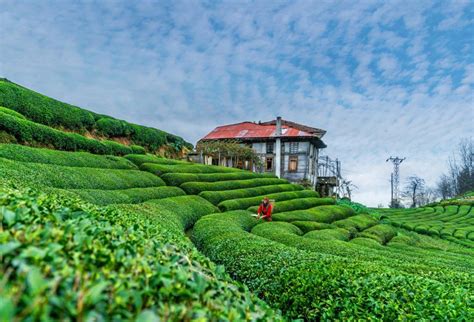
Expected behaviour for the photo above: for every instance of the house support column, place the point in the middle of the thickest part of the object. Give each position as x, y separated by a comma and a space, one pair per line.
278, 157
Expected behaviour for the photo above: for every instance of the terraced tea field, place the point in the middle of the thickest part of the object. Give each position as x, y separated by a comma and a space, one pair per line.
94, 236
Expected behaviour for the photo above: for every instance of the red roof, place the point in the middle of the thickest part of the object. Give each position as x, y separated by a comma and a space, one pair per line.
250, 130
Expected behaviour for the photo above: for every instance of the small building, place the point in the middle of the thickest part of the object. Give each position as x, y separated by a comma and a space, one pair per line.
287, 149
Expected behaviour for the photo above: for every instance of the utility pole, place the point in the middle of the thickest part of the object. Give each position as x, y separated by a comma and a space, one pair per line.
395, 180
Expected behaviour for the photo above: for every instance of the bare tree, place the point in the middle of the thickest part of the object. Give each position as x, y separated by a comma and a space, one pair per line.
460, 178
414, 189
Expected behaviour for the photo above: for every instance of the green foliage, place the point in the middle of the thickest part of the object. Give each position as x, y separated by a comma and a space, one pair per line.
216, 197
136, 149
307, 226
6, 138
130, 196
195, 188
33, 133
358, 208
326, 234
297, 204
55, 176
11, 112
66, 260
314, 286
176, 179
73, 159
139, 159
160, 169
244, 203
50, 112
381, 233
323, 214
359, 222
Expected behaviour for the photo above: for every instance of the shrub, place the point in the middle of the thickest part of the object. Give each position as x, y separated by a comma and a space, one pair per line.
128, 262
73, 159
29, 132
111, 127
359, 222
160, 169
326, 234
55, 176
297, 204
136, 149
195, 188
150, 158
244, 203
307, 226
381, 233
129, 196
116, 148
176, 179
216, 197
11, 112
323, 214
311, 286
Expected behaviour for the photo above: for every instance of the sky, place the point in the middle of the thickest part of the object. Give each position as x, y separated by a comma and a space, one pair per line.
383, 78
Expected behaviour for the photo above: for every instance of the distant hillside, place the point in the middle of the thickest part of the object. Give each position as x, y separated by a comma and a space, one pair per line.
48, 111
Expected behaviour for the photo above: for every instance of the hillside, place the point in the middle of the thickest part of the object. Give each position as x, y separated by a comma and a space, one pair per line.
44, 110
107, 237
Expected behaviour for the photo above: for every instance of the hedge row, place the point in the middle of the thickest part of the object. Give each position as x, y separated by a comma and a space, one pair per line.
139, 159
381, 233
307, 226
313, 286
29, 132
55, 176
195, 188
11, 112
297, 204
244, 203
50, 112
217, 197
129, 196
176, 179
160, 169
73, 159
323, 214
327, 234
358, 222
131, 263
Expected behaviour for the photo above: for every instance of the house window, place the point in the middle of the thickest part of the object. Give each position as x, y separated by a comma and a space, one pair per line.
270, 146
269, 164
293, 164
294, 147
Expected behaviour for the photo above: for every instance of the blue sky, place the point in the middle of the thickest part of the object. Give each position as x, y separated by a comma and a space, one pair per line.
382, 77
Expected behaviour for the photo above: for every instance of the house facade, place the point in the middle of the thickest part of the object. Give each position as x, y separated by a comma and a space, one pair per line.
287, 149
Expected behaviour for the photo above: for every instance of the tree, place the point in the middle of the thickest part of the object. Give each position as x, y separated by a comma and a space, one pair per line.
460, 177
414, 189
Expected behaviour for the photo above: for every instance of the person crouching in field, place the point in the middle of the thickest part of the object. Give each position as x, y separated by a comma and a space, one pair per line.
265, 210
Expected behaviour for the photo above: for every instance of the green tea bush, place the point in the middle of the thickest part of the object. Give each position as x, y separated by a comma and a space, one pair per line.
216, 197
11, 112
381, 233
307, 226
176, 179
129, 196
326, 234
117, 148
136, 149
139, 159
297, 204
72, 159
195, 188
44, 110
55, 176
244, 203
313, 286
66, 260
160, 169
29, 132
359, 222
323, 214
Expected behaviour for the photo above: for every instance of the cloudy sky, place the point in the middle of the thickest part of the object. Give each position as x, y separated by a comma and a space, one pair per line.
382, 77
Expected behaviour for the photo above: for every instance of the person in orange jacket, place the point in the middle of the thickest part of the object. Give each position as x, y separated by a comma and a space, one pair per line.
265, 210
